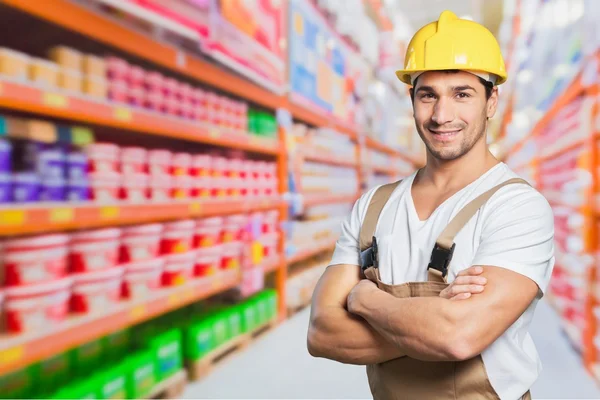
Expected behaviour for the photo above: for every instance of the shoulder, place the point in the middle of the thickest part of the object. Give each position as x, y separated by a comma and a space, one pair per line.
362, 204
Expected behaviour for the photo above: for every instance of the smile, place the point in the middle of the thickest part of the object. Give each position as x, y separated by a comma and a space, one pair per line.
445, 135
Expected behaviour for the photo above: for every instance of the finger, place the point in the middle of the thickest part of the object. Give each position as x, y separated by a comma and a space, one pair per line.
470, 280
458, 289
462, 296
475, 270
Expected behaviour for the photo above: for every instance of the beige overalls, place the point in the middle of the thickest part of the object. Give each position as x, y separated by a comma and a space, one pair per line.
407, 378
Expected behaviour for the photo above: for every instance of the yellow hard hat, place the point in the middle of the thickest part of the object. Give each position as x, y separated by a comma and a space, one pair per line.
453, 43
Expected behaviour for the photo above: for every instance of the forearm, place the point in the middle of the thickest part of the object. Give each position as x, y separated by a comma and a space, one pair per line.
425, 328
341, 336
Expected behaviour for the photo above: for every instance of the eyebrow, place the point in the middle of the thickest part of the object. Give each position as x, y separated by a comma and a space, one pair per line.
430, 89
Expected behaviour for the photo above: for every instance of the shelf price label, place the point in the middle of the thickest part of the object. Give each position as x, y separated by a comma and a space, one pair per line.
122, 114
12, 217
216, 282
174, 299
138, 312
215, 134
59, 215
109, 212
195, 208
55, 100
11, 356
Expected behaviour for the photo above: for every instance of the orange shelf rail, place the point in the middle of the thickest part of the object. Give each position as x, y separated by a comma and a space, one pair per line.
39, 219
381, 147
317, 199
311, 251
383, 170
18, 351
318, 155
53, 104
76, 18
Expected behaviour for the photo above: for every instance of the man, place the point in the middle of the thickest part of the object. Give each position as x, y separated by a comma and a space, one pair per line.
492, 237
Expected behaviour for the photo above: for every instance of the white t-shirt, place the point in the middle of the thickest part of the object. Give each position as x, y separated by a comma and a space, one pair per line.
513, 230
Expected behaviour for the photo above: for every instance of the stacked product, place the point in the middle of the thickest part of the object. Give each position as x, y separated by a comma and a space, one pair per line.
300, 286
317, 178
66, 69
90, 272
128, 364
324, 141
136, 175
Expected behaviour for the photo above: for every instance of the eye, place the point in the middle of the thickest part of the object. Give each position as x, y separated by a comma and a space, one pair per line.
463, 95
428, 96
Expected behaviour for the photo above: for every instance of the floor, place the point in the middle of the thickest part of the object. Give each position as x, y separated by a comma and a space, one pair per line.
277, 366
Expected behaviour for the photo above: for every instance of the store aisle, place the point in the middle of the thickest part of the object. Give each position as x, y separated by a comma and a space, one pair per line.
278, 366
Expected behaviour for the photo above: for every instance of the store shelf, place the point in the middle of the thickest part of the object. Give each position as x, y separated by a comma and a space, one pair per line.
76, 18
54, 104
308, 252
18, 351
272, 264
318, 155
381, 147
322, 199
174, 381
29, 219
383, 170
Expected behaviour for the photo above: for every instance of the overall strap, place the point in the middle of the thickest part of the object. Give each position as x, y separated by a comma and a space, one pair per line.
444, 245
380, 197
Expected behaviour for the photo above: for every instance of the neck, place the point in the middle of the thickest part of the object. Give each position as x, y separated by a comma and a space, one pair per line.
460, 172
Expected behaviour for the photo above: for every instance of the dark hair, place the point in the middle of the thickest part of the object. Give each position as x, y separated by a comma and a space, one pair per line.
489, 86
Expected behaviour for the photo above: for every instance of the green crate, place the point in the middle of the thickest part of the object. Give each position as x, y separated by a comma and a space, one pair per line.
272, 306
113, 382
85, 389
87, 358
168, 353
117, 344
19, 384
198, 340
235, 322
54, 373
141, 374
220, 325
249, 317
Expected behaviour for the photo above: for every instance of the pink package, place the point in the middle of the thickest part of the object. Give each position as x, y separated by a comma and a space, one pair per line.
186, 92
141, 242
159, 162
35, 259
160, 187
103, 157
179, 268
117, 68
170, 86
136, 77
154, 101
118, 91
105, 187
181, 164
134, 188
98, 291
171, 106
182, 187
134, 160
154, 82
136, 96
95, 250
142, 278
177, 237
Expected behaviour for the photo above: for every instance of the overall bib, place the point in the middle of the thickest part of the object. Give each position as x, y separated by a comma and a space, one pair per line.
407, 378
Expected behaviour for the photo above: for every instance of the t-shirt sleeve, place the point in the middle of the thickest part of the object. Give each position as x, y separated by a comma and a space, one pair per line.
518, 234
347, 249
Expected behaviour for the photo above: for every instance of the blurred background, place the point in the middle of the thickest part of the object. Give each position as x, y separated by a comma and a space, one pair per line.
173, 175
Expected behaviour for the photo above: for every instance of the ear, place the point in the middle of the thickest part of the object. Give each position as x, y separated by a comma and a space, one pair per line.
492, 103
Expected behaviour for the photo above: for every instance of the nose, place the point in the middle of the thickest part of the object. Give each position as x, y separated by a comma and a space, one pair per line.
443, 112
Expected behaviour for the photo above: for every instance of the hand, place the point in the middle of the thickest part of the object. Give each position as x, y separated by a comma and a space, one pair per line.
359, 294
467, 282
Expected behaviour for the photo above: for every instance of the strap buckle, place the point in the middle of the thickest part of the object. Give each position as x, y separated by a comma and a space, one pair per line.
440, 258
369, 257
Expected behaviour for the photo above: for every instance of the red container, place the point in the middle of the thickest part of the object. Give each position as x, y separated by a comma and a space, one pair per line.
269, 243
177, 237
142, 278
179, 268
182, 187
171, 106
153, 82
134, 188
117, 68
208, 261
136, 77
105, 187
37, 308
154, 101
159, 162
186, 92
231, 255
35, 260
136, 96
95, 250
181, 164
170, 86
160, 187
270, 222
98, 291
118, 91
201, 165
103, 157
134, 160
140, 243
208, 232
233, 228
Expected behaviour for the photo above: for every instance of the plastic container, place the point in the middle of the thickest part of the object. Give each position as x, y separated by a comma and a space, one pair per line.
198, 340
142, 278
170, 86
269, 244
78, 190
141, 374
141, 242
181, 164
51, 163
117, 68
160, 187
154, 101
134, 188
201, 165
136, 77
159, 162
118, 91
98, 291
133, 160
36, 307
94, 66
53, 190
168, 353
35, 260
77, 165
5, 188
136, 96
179, 268
208, 261
95, 250
66, 57
43, 72
233, 228
231, 255
153, 82
105, 187
14, 64
182, 187
26, 187
103, 157
270, 222
5, 156
70, 80
208, 232
113, 382
178, 237
95, 87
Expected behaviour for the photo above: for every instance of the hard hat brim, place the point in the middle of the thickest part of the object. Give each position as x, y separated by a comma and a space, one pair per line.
405, 74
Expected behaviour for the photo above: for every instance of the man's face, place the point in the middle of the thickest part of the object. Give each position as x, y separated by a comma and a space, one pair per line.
451, 112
